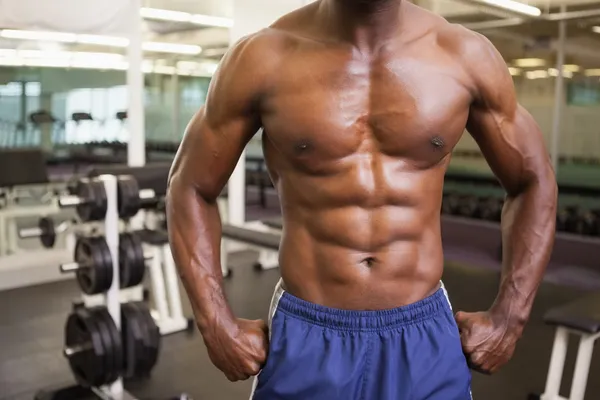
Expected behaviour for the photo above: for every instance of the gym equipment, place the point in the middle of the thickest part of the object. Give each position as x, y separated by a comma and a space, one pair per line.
93, 265
46, 231
582, 221
132, 263
581, 318
450, 203
141, 338
468, 206
258, 236
89, 198
562, 219
93, 347
490, 208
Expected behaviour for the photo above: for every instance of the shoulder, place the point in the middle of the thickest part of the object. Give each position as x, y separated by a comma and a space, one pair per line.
487, 70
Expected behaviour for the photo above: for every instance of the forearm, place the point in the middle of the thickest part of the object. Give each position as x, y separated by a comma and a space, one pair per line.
528, 227
195, 237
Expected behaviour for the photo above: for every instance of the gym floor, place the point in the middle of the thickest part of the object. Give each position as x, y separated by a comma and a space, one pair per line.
32, 323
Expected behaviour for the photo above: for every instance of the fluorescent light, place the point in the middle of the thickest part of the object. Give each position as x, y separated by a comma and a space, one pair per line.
219, 51
554, 72
515, 6
172, 48
514, 71
210, 20
100, 61
529, 62
39, 35
571, 67
596, 29
165, 15
537, 74
592, 72
179, 16
111, 41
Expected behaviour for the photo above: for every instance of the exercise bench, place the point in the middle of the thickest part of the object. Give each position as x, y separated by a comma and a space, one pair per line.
582, 318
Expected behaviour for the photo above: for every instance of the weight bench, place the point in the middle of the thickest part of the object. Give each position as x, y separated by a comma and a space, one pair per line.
261, 241
580, 317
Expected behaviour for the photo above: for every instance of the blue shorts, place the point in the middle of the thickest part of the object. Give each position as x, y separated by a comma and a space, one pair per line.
320, 353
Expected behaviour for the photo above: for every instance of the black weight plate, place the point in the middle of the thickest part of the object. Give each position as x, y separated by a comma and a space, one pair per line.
132, 265
107, 271
562, 218
129, 197
87, 365
132, 336
100, 201
452, 203
48, 237
107, 340
468, 206
115, 340
87, 257
144, 359
84, 191
153, 336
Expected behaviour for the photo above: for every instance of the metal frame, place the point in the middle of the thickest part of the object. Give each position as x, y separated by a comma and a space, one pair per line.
557, 362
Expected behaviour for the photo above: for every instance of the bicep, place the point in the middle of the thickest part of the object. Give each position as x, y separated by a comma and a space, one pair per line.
511, 143
210, 151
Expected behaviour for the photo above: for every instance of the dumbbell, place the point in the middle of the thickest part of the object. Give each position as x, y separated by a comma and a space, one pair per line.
469, 206
582, 221
94, 268
89, 198
490, 208
450, 203
562, 219
46, 231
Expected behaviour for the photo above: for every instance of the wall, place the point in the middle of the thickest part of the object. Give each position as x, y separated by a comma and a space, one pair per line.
580, 126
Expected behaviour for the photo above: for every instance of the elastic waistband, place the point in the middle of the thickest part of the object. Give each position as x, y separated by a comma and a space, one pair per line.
379, 320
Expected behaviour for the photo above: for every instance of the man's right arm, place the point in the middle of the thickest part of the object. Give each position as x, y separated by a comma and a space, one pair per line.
209, 151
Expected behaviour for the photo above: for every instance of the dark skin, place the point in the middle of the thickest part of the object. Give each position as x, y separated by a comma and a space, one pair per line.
361, 103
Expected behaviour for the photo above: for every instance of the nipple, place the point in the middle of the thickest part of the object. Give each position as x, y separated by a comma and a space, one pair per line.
437, 142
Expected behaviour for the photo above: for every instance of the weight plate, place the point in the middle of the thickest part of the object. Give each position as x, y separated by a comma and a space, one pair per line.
152, 336
115, 338
131, 333
100, 201
107, 271
562, 218
84, 191
132, 265
110, 367
94, 275
87, 362
129, 197
48, 237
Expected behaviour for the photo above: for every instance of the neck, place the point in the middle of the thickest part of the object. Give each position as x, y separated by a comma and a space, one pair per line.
366, 23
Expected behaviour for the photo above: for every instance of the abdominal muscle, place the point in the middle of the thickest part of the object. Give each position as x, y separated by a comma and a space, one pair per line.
361, 259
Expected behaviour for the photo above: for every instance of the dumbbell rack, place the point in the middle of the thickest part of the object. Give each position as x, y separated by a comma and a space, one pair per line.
111, 299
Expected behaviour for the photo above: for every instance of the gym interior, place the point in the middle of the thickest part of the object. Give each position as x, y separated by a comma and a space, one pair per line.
94, 100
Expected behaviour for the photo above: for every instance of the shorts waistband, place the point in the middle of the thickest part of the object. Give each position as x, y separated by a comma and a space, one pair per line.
378, 320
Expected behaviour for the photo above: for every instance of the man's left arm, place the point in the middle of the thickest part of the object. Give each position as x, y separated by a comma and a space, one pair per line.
513, 146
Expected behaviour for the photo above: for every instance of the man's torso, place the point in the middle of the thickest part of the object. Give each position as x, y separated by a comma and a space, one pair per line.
357, 146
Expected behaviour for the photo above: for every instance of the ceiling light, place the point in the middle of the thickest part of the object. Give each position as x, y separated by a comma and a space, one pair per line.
596, 29
537, 74
111, 41
571, 67
554, 72
39, 35
529, 62
165, 15
172, 48
515, 6
210, 20
514, 71
179, 16
592, 72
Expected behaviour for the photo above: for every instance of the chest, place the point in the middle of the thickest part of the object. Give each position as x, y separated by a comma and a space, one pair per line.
328, 108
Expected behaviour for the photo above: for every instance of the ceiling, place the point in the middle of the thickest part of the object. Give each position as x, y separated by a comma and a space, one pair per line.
531, 38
